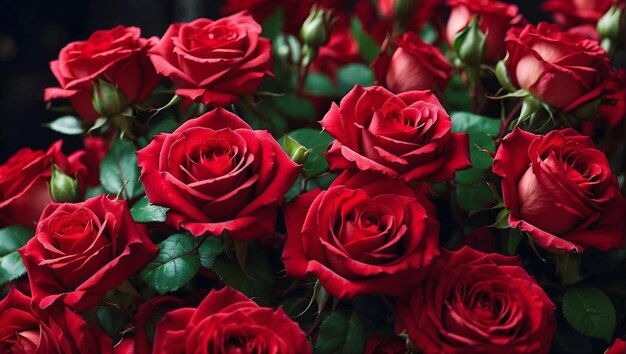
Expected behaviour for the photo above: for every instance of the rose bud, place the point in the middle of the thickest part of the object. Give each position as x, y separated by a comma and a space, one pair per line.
414, 65
406, 136
557, 68
63, 188
609, 24
216, 175
107, 99
82, 250
214, 62
560, 189
226, 321
474, 302
56, 331
115, 58
317, 27
366, 234
25, 180
494, 18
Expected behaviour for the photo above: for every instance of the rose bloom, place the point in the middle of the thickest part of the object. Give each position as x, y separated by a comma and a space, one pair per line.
494, 18
618, 347
214, 62
216, 174
560, 189
365, 234
480, 303
117, 56
379, 343
570, 13
558, 68
405, 136
58, 330
414, 65
82, 250
226, 321
341, 49
25, 182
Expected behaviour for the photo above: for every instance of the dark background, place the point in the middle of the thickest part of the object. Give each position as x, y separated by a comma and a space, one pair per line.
32, 32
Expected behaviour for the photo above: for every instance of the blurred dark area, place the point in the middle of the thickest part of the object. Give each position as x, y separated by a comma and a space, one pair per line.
32, 32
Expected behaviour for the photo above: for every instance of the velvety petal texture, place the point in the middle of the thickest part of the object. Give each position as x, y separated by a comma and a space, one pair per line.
218, 175
406, 136
214, 62
25, 180
414, 65
365, 234
561, 69
494, 18
226, 322
477, 302
561, 191
27, 330
117, 56
82, 250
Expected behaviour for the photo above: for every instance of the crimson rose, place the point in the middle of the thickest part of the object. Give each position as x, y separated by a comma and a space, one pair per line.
216, 174
560, 189
82, 250
570, 13
560, 69
226, 321
365, 234
404, 136
494, 18
25, 180
414, 65
214, 62
58, 330
117, 56
477, 302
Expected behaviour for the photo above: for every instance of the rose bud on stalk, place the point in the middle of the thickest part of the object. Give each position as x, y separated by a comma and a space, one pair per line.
414, 65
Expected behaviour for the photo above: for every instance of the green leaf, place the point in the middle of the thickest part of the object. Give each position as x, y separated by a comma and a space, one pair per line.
294, 107
273, 24
91, 192
512, 241
354, 74
341, 333
428, 33
481, 132
474, 197
144, 212
256, 280
12, 238
589, 311
165, 125
318, 84
173, 267
502, 220
119, 171
68, 125
209, 250
317, 142
368, 48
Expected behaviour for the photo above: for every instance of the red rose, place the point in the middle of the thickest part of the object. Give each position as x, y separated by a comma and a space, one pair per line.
226, 321
25, 182
422, 12
404, 136
477, 302
570, 13
560, 189
214, 62
414, 65
96, 149
216, 174
82, 250
117, 56
341, 49
365, 234
618, 347
378, 343
494, 18
147, 311
557, 68
58, 330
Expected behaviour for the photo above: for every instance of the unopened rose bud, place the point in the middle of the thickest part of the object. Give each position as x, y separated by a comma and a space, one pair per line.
403, 10
470, 44
316, 29
295, 150
63, 188
608, 26
503, 76
107, 100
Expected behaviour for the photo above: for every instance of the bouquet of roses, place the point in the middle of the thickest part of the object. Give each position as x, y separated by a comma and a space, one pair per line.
327, 177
